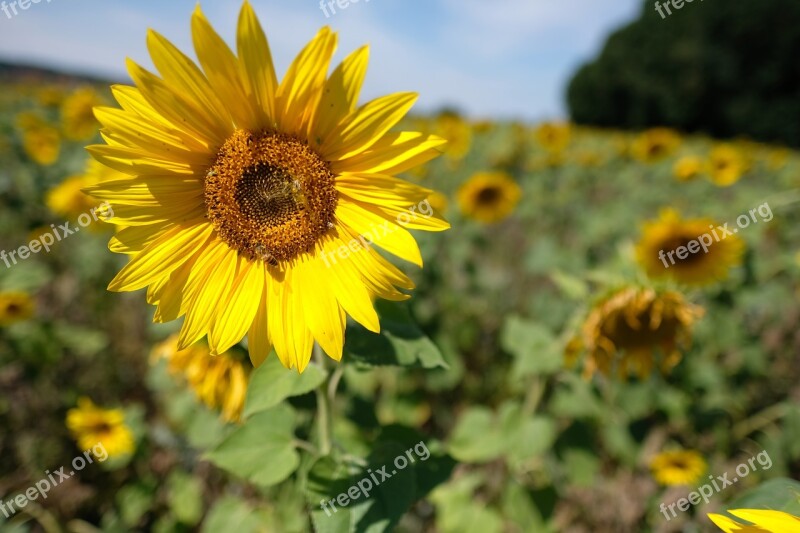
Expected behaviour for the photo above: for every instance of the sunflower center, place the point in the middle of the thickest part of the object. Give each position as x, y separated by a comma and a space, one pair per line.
489, 196
270, 196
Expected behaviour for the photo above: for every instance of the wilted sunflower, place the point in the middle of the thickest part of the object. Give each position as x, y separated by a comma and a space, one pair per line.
77, 114
90, 425
726, 165
242, 188
663, 239
15, 307
627, 329
553, 136
655, 144
762, 520
687, 168
489, 196
678, 467
219, 381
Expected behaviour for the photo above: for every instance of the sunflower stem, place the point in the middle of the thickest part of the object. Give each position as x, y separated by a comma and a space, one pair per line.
324, 403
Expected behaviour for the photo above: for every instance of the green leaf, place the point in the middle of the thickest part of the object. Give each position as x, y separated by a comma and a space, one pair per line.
133, 501
185, 495
525, 436
327, 479
536, 351
572, 287
232, 514
476, 437
780, 494
262, 450
271, 383
400, 343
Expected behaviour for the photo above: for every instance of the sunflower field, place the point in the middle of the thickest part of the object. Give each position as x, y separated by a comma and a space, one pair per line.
261, 304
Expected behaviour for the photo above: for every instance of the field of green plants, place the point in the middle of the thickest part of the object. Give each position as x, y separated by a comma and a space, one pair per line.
551, 372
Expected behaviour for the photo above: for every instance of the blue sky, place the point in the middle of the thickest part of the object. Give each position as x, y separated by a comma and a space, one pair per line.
489, 58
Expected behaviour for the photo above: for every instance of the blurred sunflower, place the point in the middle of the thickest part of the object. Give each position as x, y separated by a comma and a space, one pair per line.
627, 328
77, 114
15, 307
457, 131
51, 95
41, 142
438, 201
726, 165
68, 200
219, 381
553, 136
242, 187
762, 520
678, 467
658, 250
90, 425
489, 196
655, 144
777, 158
687, 168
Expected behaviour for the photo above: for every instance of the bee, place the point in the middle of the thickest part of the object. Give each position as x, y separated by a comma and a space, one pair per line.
265, 256
288, 190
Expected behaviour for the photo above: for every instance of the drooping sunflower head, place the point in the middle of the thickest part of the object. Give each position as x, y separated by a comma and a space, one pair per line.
91, 425
219, 381
553, 136
77, 114
15, 306
678, 467
687, 168
726, 165
252, 206
655, 144
691, 251
626, 331
489, 197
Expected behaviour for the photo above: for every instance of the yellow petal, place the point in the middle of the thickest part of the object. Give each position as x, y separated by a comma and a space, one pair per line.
298, 96
393, 153
258, 344
365, 126
258, 72
161, 257
233, 320
340, 94
323, 315
378, 230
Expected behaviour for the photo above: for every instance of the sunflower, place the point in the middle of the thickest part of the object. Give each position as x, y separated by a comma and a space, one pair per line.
489, 196
655, 144
241, 189
687, 168
438, 201
457, 131
41, 142
726, 165
762, 520
68, 200
626, 329
15, 307
220, 381
678, 467
553, 136
665, 240
91, 425
77, 114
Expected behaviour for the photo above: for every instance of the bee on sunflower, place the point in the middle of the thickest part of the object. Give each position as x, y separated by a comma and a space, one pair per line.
209, 152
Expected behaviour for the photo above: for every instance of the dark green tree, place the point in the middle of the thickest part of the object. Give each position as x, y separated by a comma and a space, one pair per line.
724, 67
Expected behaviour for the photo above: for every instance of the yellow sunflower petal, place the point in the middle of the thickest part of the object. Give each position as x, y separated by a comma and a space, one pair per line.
258, 344
238, 311
256, 65
392, 154
340, 94
382, 232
